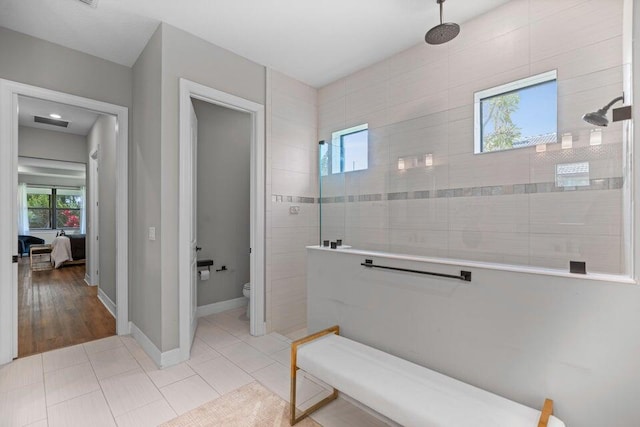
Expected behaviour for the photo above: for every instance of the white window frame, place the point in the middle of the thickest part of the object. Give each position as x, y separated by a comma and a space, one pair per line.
498, 90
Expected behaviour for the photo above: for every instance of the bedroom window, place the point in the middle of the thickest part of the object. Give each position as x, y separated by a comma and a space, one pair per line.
54, 208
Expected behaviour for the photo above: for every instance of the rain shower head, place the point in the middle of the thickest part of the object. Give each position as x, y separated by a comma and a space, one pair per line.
599, 118
443, 33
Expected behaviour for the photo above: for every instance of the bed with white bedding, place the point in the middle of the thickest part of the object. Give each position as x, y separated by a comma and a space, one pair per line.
68, 249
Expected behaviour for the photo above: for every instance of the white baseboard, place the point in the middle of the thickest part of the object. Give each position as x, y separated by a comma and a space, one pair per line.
106, 301
162, 360
218, 307
87, 280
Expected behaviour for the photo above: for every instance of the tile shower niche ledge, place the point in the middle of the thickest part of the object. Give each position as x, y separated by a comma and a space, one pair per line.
483, 265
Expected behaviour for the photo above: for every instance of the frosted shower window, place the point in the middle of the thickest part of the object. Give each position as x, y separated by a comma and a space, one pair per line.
349, 151
518, 114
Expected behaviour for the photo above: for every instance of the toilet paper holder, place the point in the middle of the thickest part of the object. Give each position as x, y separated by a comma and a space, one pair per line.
205, 263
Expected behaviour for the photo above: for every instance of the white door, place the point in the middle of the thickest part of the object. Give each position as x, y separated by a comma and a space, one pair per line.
193, 236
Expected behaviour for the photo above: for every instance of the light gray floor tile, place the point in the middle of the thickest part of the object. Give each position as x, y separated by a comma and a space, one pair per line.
150, 415
103, 344
23, 405
246, 357
67, 383
166, 376
21, 372
222, 375
87, 410
267, 344
188, 394
64, 357
129, 391
112, 362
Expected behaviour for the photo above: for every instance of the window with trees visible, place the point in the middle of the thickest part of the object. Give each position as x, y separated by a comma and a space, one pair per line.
348, 151
54, 208
518, 114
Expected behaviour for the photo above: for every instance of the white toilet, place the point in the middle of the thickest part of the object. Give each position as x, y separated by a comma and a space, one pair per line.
246, 291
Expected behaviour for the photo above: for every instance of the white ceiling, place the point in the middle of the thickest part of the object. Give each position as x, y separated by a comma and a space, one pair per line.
80, 120
316, 42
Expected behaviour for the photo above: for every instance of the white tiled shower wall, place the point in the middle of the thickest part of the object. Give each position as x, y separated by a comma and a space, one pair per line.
291, 173
421, 101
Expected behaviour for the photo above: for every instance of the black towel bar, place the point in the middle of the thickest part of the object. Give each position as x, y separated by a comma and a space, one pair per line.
464, 275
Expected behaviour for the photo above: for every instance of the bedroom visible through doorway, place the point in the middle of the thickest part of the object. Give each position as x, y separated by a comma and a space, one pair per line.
66, 213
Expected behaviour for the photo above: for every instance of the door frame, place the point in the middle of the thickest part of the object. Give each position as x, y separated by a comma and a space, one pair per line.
188, 90
94, 218
9, 92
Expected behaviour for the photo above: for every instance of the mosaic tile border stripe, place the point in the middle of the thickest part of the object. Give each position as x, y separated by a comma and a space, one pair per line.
615, 183
278, 198
497, 190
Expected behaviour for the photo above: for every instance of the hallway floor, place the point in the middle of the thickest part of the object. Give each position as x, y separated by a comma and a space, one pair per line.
113, 382
56, 309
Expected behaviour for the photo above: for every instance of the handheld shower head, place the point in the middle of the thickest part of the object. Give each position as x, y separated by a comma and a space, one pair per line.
599, 118
443, 33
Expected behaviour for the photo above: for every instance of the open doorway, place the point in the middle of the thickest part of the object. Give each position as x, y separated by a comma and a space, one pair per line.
223, 210
221, 215
59, 289
61, 301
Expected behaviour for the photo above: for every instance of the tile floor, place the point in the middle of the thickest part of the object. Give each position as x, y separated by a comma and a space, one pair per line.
113, 382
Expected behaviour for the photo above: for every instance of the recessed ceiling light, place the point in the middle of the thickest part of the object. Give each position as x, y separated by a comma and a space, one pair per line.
55, 116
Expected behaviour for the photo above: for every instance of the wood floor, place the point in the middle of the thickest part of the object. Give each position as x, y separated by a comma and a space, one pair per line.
57, 309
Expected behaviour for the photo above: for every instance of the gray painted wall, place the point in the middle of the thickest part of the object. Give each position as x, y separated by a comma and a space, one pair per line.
524, 336
103, 134
184, 55
46, 144
224, 162
34, 61
145, 268
40, 63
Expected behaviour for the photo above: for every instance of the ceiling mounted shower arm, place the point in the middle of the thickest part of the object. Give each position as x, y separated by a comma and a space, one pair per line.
441, 3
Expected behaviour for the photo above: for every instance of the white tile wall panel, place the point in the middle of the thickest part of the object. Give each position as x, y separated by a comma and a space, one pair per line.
417, 83
541, 9
588, 23
416, 57
293, 171
332, 91
493, 214
295, 110
586, 213
427, 107
369, 76
492, 24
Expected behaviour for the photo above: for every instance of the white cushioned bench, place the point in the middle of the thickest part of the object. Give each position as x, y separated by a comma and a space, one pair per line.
404, 392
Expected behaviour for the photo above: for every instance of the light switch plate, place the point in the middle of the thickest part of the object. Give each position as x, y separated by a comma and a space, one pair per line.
294, 210
152, 233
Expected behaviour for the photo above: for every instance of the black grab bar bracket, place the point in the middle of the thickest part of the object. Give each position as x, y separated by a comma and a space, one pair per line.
464, 275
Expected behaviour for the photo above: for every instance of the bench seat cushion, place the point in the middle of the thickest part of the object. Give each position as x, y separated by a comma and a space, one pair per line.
407, 393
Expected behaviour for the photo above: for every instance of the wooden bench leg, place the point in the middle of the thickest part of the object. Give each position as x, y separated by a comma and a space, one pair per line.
293, 419
547, 411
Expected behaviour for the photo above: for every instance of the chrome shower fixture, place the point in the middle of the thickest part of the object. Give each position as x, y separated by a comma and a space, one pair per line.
599, 118
443, 33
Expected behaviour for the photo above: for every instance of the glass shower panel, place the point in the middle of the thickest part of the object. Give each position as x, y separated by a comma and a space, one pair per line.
541, 197
332, 194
